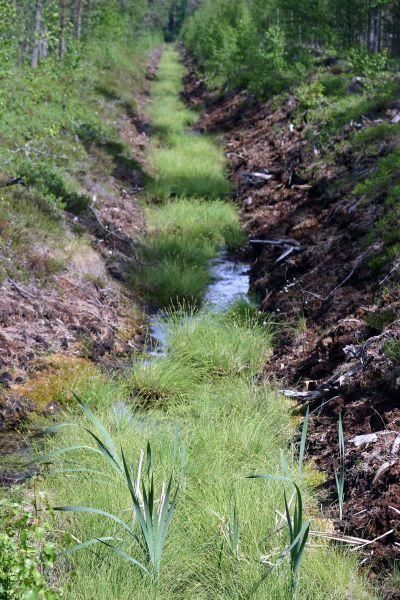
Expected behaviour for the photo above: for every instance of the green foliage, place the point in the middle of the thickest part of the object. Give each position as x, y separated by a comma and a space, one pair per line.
236, 51
246, 310
162, 380
310, 95
26, 558
339, 472
233, 426
184, 233
51, 188
366, 64
380, 319
150, 524
391, 349
384, 186
380, 133
218, 346
182, 162
298, 531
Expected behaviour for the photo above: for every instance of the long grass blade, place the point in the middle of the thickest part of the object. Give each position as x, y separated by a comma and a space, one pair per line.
303, 441
125, 555
114, 462
98, 425
53, 429
83, 545
49, 456
136, 505
97, 511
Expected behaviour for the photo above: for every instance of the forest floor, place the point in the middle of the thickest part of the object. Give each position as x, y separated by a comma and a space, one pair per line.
339, 315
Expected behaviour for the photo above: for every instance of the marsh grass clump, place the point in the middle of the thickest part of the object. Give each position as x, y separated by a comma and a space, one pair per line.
189, 165
196, 219
173, 280
233, 427
187, 174
184, 234
220, 346
182, 162
160, 380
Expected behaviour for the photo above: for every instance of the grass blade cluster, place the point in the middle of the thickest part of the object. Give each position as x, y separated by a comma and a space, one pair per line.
152, 525
340, 470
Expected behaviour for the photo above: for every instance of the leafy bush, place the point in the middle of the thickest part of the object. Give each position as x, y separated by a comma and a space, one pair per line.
362, 62
310, 95
236, 51
25, 555
52, 188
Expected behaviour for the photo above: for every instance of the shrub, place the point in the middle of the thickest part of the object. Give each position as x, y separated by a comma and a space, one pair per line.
25, 555
52, 188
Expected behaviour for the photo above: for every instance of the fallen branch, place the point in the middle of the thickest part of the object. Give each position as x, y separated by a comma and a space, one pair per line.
312, 395
19, 289
361, 546
286, 253
109, 231
278, 242
11, 182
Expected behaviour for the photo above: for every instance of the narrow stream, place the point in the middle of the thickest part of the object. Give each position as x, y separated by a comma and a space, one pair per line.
230, 280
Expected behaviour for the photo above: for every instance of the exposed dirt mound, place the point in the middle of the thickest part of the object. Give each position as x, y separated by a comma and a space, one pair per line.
311, 269
86, 310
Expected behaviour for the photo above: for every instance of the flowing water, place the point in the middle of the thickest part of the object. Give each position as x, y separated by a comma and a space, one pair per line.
230, 280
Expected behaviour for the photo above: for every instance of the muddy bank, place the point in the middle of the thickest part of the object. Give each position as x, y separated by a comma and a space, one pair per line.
86, 311
311, 269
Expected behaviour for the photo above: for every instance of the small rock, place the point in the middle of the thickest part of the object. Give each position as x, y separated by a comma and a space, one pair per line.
368, 438
5, 379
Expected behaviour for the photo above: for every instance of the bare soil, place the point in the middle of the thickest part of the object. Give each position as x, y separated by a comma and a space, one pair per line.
87, 310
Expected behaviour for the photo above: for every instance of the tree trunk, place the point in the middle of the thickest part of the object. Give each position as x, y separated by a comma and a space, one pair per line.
36, 34
44, 44
79, 20
373, 38
62, 44
396, 30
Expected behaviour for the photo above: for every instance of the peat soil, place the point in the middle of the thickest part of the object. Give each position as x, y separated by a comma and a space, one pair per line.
312, 262
86, 311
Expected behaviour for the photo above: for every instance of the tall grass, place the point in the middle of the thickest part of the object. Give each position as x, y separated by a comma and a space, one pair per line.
207, 387
340, 470
187, 171
182, 163
233, 427
183, 236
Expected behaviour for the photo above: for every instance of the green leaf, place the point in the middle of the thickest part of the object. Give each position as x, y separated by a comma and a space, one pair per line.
82, 545
98, 425
96, 511
303, 441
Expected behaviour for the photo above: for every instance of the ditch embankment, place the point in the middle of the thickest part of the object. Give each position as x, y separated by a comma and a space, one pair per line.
314, 188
